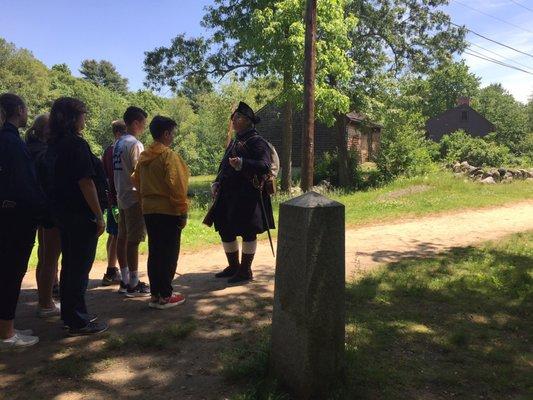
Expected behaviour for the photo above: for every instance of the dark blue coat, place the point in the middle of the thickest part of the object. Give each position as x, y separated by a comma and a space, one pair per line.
238, 209
18, 180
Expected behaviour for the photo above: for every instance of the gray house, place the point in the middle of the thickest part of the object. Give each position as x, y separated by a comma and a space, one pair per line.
460, 117
362, 135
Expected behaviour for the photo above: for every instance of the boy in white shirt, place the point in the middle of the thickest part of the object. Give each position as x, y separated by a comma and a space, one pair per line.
131, 229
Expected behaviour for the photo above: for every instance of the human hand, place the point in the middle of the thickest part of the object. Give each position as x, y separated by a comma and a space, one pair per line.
100, 226
236, 163
215, 187
182, 222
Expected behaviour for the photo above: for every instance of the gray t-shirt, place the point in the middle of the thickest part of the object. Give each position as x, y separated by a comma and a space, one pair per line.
125, 157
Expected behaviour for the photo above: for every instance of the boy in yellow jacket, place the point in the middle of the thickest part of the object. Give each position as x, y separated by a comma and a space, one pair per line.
162, 178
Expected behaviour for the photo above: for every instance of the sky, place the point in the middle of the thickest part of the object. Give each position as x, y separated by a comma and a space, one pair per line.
120, 31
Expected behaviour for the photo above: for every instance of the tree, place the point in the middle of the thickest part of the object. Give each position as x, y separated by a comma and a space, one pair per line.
23, 74
103, 73
64, 68
263, 38
103, 105
508, 116
435, 92
446, 84
530, 113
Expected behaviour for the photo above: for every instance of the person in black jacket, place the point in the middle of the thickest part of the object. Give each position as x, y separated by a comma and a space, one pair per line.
22, 204
76, 191
48, 236
241, 207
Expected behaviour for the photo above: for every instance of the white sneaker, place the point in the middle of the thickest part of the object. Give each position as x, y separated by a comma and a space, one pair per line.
48, 312
18, 340
25, 332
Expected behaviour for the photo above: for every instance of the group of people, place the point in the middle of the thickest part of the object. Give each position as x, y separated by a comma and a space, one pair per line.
53, 184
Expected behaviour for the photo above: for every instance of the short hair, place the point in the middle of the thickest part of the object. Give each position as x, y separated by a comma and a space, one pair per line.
118, 126
161, 124
10, 103
133, 113
64, 116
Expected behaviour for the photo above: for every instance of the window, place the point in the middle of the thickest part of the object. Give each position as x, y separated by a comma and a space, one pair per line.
464, 116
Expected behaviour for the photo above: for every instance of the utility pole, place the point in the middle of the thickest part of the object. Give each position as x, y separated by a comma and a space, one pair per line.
308, 134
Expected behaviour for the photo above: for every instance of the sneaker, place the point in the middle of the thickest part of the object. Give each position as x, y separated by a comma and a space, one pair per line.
92, 318
25, 332
111, 278
154, 301
18, 340
48, 312
92, 328
140, 290
167, 302
123, 288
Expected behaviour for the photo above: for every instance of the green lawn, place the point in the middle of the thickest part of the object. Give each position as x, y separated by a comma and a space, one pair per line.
456, 326
402, 198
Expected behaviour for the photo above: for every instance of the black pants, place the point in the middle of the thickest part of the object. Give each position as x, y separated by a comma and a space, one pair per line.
17, 236
78, 247
164, 238
227, 235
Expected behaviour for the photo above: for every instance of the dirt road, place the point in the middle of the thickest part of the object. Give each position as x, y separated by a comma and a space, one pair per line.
224, 315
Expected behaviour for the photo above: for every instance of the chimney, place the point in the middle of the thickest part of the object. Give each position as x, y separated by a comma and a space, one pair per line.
463, 101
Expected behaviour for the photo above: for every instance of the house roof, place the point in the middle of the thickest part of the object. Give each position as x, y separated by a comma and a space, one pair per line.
449, 112
358, 117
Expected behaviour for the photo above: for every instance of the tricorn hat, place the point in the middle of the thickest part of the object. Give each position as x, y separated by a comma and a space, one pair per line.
247, 111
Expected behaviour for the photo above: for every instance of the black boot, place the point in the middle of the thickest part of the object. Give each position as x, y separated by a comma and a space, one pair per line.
233, 261
244, 273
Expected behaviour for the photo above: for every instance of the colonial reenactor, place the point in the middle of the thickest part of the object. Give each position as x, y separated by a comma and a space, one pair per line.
242, 206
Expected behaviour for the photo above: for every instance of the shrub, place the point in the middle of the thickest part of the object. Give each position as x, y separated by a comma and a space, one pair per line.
404, 149
327, 168
459, 146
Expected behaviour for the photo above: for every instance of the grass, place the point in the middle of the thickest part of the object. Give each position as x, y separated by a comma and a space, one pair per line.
442, 192
458, 325
154, 339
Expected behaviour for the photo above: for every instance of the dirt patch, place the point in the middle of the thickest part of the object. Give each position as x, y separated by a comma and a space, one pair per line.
404, 192
189, 367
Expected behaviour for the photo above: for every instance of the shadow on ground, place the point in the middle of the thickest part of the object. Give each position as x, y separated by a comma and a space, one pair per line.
146, 353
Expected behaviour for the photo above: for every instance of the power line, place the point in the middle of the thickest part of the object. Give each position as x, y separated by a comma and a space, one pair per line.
491, 40
492, 60
499, 55
521, 5
492, 16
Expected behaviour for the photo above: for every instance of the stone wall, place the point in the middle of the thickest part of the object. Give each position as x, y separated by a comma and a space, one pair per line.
491, 175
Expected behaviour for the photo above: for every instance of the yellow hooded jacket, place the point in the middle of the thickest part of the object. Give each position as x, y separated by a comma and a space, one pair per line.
162, 179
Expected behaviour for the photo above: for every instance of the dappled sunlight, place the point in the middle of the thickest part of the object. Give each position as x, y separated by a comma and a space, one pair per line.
456, 322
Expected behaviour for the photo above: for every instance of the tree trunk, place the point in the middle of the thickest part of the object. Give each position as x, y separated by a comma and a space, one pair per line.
308, 134
286, 147
342, 152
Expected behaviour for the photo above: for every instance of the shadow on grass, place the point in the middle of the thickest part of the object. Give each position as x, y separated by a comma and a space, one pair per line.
457, 325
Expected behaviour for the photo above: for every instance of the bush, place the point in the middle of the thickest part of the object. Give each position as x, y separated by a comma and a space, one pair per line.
327, 168
459, 146
404, 149
526, 149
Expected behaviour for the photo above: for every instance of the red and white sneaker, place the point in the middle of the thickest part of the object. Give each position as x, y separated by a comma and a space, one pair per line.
167, 302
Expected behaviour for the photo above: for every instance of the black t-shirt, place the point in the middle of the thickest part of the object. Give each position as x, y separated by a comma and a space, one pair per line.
73, 161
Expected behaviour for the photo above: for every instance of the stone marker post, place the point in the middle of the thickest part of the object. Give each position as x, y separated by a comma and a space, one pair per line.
307, 350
